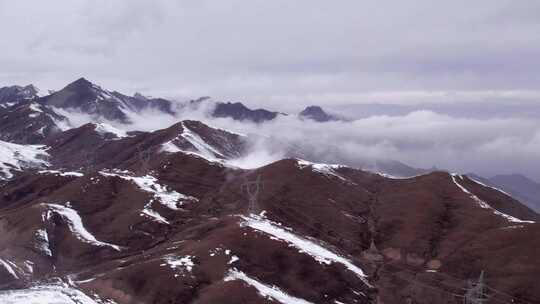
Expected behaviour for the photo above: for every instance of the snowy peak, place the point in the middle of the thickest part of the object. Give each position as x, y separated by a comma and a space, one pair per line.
194, 137
86, 97
29, 122
89, 98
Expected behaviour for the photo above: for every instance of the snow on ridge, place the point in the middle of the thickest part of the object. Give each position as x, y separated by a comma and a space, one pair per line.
46, 294
203, 149
325, 169
147, 211
148, 183
35, 108
9, 267
104, 128
198, 142
61, 173
76, 226
485, 205
271, 292
14, 157
487, 186
169, 198
390, 176
318, 252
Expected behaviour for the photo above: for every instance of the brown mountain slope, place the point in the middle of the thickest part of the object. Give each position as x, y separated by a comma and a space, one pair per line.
180, 228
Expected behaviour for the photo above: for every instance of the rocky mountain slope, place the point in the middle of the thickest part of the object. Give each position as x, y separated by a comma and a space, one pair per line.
163, 217
521, 187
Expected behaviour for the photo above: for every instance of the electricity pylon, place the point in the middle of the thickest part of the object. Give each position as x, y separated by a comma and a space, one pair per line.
144, 158
252, 189
476, 293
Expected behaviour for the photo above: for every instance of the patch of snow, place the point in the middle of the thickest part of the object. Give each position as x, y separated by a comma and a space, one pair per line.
389, 176
271, 292
35, 108
513, 227
233, 259
41, 131
202, 149
324, 169
487, 186
170, 147
42, 239
319, 253
29, 266
155, 216
76, 226
103, 128
14, 157
9, 267
483, 204
181, 263
148, 183
60, 173
46, 294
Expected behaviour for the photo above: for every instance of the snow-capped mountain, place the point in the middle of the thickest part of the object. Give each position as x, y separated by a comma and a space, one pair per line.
89, 98
29, 122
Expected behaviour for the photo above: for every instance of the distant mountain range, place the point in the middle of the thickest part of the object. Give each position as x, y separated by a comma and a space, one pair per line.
89, 98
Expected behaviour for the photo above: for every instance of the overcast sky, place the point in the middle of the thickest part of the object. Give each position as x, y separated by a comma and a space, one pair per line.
282, 54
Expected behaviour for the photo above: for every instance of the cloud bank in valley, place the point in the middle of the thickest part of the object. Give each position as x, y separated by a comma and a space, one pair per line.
421, 139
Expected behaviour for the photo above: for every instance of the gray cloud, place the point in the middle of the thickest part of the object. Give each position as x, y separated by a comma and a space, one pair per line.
422, 139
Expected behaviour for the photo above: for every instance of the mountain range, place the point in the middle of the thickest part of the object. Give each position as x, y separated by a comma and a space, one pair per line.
95, 214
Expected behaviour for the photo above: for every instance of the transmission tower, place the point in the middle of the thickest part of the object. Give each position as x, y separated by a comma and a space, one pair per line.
89, 162
144, 158
476, 293
252, 189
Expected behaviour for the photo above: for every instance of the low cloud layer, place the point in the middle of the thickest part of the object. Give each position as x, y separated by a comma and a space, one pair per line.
422, 139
